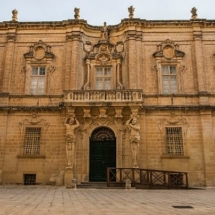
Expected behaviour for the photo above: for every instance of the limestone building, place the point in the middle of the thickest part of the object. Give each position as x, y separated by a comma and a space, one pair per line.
79, 98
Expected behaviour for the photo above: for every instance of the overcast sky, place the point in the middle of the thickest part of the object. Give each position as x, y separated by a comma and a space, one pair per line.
96, 12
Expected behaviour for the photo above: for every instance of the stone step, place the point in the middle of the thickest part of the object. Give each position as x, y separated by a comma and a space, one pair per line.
95, 185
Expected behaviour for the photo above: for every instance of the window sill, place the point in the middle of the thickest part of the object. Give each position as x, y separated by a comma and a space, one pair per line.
174, 157
31, 156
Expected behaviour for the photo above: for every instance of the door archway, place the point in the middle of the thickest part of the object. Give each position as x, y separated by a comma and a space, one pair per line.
102, 153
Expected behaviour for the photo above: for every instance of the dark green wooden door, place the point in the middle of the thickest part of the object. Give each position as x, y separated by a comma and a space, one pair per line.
102, 155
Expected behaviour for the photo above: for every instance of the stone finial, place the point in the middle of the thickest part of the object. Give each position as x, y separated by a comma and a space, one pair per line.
15, 15
131, 11
77, 13
194, 13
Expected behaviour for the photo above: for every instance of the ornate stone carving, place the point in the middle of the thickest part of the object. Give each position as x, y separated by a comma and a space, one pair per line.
103, 53
71, 124
77, 13
103, 133
40, 51
15, 15
131, 12
88, 46
105, 32
34, 121
194, 13
119, 47
134, 138
173, 119
51, 67
168, 50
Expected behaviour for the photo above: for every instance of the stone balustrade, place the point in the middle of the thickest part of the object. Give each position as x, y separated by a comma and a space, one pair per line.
103, 95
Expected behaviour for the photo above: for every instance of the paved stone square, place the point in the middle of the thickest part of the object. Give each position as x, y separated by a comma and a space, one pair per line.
59, 200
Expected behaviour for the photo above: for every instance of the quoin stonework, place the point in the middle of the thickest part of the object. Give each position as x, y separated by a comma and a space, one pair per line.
77, 98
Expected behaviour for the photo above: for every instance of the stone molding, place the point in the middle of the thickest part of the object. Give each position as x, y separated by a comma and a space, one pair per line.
39, 51
32, 122
169, 50
173, 120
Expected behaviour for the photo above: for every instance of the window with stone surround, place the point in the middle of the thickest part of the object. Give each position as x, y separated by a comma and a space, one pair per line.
174, 141
32, 141
169, 67
38, 81
38, 68
103, 78
169, 79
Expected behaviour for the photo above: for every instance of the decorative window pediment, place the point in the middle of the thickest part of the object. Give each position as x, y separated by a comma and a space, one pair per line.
174, 134
168, 50
39, 51
33, 132
169, 68
41, 59
103, 56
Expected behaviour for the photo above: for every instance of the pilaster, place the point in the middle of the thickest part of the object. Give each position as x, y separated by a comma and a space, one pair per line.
131, 50
74, 82
9, 56
199, 55
208, 147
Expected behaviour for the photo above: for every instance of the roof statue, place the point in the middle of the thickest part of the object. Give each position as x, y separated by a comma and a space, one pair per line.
15, 15
77, 13
105, 31
131, 12
194, 13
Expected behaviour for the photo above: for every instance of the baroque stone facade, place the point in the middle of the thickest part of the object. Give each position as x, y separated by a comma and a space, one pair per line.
137, 94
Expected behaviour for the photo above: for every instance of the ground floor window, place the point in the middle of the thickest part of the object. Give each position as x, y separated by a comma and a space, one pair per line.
29, 179
174, 140
32, 141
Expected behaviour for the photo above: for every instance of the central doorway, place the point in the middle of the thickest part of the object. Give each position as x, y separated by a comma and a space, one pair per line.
102, 153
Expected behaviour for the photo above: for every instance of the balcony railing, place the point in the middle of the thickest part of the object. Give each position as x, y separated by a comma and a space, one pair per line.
116, 177
103, 96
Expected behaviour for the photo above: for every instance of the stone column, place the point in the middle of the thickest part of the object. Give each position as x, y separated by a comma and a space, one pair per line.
208, 147
9, 60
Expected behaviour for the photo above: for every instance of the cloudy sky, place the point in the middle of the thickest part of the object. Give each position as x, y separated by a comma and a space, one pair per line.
111, 11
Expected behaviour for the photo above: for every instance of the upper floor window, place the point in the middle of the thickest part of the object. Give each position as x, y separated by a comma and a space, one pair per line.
174, 140
169, 67
103, 78
38, 69
38, 76
169, 79
32, 141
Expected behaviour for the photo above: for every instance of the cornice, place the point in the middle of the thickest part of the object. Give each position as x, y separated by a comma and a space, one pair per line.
6, 94
124, 23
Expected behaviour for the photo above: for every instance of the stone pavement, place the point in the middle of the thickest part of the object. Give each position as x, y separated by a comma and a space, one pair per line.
43, 200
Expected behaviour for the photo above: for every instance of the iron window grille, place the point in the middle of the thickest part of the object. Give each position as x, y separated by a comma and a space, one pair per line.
174, 140
32, 141
29, 179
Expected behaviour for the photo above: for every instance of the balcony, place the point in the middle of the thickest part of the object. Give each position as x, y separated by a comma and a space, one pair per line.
103, 96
